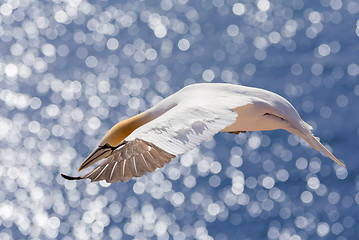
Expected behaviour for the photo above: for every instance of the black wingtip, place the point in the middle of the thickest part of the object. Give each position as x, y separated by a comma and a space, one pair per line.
70, 178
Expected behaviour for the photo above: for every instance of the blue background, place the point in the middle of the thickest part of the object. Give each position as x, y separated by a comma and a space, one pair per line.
70, 70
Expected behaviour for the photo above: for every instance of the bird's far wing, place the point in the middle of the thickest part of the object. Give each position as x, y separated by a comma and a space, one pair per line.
155, 143
132, 159
184, 127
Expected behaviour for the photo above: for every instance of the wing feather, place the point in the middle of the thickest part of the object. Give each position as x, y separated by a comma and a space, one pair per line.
155, 143
150, 160
184, 127
133, 159
111, 170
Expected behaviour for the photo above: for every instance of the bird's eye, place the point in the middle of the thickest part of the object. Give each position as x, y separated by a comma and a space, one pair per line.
272, 115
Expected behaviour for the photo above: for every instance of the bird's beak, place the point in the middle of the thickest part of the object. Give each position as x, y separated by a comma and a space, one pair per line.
98, 154
315, 143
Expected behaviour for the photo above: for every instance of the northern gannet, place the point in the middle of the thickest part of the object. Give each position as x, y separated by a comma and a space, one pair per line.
183, 120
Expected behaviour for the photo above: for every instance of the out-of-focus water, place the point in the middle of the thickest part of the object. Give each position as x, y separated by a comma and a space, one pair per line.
69, 70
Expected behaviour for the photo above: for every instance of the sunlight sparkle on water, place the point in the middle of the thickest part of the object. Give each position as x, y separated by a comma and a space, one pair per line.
71, 70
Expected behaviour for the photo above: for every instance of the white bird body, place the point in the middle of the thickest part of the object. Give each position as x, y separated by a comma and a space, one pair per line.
183, 120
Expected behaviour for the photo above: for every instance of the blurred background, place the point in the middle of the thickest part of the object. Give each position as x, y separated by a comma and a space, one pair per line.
71, 69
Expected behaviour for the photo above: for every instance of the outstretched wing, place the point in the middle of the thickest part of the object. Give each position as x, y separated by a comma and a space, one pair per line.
155, 143
132, 159
184, 127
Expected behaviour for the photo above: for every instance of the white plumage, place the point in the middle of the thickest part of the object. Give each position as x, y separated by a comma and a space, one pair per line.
182, 128
183, 120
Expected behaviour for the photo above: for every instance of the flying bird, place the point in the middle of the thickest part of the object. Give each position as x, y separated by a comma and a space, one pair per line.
183, 120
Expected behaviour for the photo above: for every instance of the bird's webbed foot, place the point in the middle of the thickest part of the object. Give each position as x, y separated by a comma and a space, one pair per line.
237, 132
